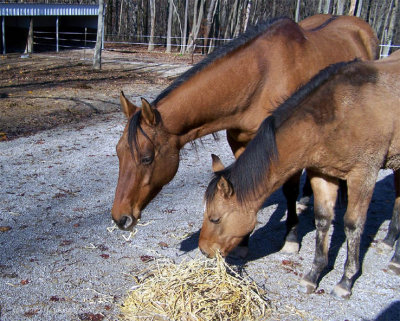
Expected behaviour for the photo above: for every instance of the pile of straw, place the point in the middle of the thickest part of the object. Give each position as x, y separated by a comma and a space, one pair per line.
195, 290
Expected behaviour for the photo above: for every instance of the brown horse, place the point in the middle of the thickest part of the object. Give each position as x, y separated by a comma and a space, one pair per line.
234, 88
343, 124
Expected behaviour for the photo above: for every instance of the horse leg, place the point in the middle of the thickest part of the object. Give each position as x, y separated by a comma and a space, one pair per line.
291, 191
236, 147
360, 188
307, 191
325, 194
394, 226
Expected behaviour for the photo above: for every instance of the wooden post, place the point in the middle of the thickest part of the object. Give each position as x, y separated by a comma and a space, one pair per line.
29, 42
57, 22
97, 48
3, 30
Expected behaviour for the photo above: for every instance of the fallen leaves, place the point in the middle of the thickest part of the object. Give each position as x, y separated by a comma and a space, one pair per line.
88, 316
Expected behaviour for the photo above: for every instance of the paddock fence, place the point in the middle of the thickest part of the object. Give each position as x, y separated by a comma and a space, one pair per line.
44, 40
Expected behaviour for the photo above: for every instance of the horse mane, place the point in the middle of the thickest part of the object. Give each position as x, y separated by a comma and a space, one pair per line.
250, 169
251, 33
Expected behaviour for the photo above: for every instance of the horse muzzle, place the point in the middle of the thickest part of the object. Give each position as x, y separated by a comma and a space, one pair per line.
126, 222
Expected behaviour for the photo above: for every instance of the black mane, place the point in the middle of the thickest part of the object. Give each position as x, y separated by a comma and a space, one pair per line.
251, 33
251, 167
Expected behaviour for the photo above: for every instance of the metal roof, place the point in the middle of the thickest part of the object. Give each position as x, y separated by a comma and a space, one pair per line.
18, 9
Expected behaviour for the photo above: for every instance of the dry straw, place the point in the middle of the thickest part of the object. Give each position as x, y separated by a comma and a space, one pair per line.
195, 290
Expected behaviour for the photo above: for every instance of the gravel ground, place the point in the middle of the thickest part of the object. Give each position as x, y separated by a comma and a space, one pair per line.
60, 260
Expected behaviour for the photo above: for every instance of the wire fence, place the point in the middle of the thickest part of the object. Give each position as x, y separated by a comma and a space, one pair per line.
87, 40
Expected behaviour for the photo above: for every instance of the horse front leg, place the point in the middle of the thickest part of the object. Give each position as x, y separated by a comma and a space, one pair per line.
360, 187
291, 191
325, 194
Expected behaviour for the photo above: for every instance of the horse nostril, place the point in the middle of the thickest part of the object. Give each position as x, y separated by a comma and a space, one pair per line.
126, 222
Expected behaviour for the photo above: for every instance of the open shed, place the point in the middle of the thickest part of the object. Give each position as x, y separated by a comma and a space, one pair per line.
26, 25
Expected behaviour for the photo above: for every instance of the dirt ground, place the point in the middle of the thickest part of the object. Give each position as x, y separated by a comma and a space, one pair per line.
60, 256
48, 89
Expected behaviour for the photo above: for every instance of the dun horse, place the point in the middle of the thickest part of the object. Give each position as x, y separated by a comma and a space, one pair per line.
234, 88
343, 124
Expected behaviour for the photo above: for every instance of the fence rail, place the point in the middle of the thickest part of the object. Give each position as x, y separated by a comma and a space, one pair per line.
87, 41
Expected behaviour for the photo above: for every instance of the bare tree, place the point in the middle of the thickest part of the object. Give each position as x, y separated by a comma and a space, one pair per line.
152, 5
340, 7
197, 19
297, 14
352, 8
246, 20
97, 49
169, 28
389, 31
210, 19
185, 27
327, 6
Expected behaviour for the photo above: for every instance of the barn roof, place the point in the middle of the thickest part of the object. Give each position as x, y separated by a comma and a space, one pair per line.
18, 9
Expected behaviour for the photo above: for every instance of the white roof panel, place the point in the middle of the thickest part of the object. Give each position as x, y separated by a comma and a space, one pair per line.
18, 9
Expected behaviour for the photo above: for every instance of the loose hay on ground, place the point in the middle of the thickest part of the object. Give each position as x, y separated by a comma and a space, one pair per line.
195, 290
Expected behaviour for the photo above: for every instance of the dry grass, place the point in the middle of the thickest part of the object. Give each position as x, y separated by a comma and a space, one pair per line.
195, 290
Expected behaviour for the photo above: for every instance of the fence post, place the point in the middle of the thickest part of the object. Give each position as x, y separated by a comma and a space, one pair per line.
3, 29
29, 42
57, 33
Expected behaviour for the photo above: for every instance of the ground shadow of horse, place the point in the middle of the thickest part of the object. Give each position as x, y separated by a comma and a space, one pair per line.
391, 313
270, 238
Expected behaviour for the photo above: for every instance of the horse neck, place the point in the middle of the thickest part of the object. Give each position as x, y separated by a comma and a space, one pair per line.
214, 99
296, 145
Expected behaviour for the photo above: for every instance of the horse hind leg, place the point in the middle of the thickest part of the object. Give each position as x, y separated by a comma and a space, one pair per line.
394, 226
325, 194
360, 190
291, 191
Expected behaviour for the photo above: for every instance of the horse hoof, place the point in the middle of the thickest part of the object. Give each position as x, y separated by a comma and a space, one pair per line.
383, 246
340, 292
307, 287
305, 200
290, 248
394, 267
239, 252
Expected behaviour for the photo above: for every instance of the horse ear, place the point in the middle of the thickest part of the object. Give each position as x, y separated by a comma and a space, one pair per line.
216, 163
148, 112
127, 107
225, 187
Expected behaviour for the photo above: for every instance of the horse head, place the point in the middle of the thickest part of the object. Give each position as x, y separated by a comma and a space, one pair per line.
148, 159
226, 222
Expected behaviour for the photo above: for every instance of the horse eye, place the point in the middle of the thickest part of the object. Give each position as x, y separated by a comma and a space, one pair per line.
147, 160
215, 220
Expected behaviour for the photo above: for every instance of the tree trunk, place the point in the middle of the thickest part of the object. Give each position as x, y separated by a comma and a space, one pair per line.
210, 19
97, 48
359, 8
319, 6
246, 19
169, 28
198, 17
185, 26
340, 7
297, 14
327, 6
152, 5
390, 30
352, 8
